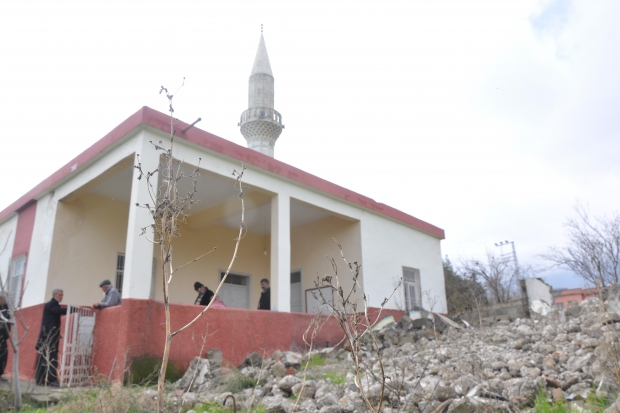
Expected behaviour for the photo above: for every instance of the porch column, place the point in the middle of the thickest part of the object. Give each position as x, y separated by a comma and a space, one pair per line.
138, 250
280, 282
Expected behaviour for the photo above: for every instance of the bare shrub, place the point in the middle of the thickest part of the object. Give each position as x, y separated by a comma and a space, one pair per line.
592, 250
356, 324
499, 277
168, 209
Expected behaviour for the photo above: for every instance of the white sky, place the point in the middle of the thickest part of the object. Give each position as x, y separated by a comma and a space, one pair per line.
489, 119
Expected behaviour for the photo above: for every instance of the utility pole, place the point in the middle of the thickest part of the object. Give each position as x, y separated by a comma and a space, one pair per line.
506, 256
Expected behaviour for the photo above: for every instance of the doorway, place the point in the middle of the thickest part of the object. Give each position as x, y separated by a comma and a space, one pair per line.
236, 290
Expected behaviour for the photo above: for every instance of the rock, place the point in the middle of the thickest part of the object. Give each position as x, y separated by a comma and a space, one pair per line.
327, 400
546, 349
614, 408
590, 343
277, 391
553, 383
515, 366
276, 404
307, 405
525, 330
570, 382
189, 399
465, 405
253, 359
530, 372
278, 369
307, 390
579, 363
443, 393
287, 382
519, 343
421, 323
197, 375
505, 376
330, 409
324, 389
557, 394
214, 355
391, 337
291, 359
404, 323
572, 311
548, 362
346, 403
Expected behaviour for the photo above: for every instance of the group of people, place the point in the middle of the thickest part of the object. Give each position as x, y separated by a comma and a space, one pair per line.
46, 371
205, 296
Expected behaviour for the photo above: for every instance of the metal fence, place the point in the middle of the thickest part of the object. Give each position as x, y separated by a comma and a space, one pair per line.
77, 353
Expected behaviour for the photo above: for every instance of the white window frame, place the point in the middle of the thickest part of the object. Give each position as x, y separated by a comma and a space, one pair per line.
411, 280
17, 270
120, 272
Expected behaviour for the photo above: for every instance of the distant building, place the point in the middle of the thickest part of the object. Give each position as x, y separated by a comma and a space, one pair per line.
573, 295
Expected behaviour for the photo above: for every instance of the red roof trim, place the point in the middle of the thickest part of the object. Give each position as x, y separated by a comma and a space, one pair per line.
161, 121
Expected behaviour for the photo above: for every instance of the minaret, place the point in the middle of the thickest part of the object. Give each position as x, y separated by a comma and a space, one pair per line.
261, 125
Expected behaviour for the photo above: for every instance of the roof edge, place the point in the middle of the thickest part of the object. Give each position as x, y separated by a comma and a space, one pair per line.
161, 121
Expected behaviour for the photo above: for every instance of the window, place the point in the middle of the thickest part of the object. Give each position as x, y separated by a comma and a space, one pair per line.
296, 302
234, 279
411, 285
120, 271
560, 305
16, 278
295, 277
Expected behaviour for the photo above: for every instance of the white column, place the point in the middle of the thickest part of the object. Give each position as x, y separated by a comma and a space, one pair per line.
40, 253
281, 253
139, 250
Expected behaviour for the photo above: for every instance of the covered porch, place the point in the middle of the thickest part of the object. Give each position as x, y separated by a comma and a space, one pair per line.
285, 240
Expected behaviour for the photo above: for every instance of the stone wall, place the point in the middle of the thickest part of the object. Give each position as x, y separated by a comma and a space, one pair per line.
492, 313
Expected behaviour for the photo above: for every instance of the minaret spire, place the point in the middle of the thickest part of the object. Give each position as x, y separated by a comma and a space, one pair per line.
261, 125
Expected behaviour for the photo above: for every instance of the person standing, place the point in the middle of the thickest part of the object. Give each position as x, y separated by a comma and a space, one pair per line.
47, 344
5, 334
112, 296
265, 296
204, 294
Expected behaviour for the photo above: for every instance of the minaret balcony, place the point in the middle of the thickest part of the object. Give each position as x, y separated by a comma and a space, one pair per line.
267, 114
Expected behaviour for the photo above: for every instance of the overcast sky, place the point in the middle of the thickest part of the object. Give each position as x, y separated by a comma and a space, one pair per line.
489, 119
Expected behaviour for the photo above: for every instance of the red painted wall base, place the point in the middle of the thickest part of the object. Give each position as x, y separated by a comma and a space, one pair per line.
137, 328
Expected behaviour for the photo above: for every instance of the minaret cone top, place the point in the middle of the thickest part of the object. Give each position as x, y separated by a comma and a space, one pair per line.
261, 62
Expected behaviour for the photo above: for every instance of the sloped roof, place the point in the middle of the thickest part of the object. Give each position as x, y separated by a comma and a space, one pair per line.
158, 120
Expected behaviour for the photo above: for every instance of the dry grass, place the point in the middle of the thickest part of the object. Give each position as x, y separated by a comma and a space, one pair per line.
112, 399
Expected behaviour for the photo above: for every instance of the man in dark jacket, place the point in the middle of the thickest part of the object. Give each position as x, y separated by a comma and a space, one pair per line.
204, 294
5, 334
47, 344
265, 296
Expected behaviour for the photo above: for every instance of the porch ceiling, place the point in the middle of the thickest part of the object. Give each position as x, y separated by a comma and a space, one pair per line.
219, 203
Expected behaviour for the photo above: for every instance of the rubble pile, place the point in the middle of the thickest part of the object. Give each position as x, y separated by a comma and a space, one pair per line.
430, 367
